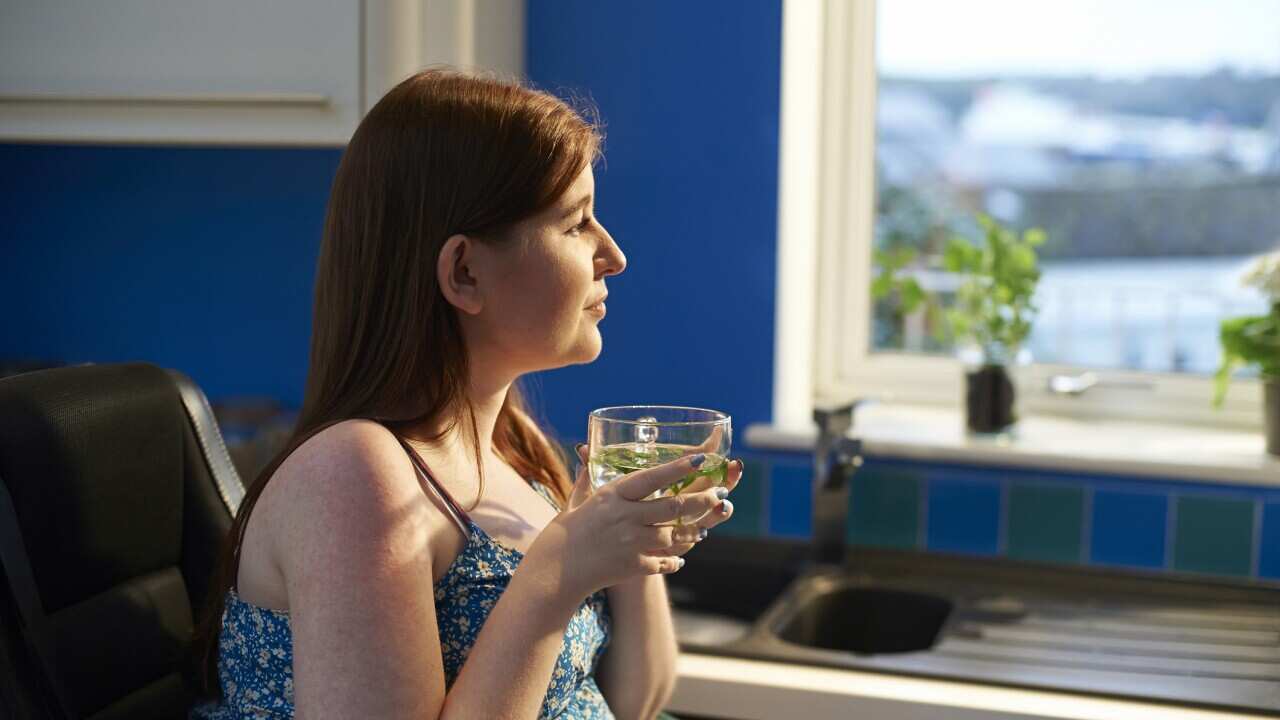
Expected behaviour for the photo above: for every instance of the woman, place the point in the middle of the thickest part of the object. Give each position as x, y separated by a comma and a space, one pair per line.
418, 549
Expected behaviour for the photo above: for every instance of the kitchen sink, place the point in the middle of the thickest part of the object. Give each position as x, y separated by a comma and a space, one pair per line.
1191, 640
720, 602
842, 614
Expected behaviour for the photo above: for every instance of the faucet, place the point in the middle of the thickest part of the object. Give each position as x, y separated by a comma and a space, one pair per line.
835, 458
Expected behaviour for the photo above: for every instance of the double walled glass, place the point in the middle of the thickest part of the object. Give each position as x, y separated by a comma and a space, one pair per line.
628, 438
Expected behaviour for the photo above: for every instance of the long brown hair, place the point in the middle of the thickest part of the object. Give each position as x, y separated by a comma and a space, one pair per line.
441, 153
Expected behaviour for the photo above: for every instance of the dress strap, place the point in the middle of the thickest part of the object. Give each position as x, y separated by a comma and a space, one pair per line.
545, 492
459, 515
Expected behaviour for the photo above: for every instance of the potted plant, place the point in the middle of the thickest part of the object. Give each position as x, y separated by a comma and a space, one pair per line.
993, 311
1254, 340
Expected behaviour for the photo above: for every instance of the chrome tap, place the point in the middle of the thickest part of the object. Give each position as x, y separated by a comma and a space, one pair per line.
835, 458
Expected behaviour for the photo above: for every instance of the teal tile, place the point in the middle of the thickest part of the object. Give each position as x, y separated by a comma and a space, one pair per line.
1213, 535
1045, 522
884, 507
748, 502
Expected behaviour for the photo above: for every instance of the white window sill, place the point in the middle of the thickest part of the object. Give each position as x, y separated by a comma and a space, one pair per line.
1092, 446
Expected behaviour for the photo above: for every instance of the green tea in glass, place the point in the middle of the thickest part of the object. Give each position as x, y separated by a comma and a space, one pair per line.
628, 438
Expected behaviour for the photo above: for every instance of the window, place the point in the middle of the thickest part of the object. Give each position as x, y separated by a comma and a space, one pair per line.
1143, 136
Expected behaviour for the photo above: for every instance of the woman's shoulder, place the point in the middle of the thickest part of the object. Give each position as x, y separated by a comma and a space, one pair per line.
345, 496
357, 440
352, 478
346, 451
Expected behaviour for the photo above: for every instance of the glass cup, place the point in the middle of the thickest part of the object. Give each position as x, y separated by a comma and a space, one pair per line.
627, 438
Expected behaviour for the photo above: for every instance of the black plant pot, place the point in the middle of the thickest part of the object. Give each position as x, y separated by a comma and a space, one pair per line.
1271, 415
988, 399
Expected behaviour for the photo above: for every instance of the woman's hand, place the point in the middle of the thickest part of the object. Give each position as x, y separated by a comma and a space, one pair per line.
694, 529
613, 534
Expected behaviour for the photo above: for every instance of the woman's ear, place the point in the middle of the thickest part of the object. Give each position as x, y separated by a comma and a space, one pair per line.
454, 274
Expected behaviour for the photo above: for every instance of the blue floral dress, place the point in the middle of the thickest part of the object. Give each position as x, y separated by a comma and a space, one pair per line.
255, 648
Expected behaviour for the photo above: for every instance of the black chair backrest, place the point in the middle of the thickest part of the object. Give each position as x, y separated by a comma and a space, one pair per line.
119, 493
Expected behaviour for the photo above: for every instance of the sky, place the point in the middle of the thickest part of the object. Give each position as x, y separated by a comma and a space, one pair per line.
1115, 39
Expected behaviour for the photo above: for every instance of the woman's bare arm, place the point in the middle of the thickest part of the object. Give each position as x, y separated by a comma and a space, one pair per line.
354, 550
638, 671
637, 674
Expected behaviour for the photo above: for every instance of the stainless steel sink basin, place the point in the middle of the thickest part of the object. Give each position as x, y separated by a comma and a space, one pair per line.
1194, 641
720, 602
844, 614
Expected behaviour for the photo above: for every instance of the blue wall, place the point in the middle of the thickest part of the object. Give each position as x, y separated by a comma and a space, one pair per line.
202, 259
689, 93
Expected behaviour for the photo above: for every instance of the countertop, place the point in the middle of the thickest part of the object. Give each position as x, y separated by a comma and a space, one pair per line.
739, 689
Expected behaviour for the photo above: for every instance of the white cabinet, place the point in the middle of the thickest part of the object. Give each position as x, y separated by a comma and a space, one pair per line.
294, 72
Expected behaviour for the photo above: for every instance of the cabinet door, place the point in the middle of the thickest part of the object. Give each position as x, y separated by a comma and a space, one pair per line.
207, 71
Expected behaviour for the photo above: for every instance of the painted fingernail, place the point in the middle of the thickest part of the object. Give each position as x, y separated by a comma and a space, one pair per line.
697, 460
679, 563
726, 507
702, 534
722, 493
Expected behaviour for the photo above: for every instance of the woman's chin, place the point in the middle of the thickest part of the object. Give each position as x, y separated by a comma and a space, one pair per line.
584, 349
592, 347
589, 345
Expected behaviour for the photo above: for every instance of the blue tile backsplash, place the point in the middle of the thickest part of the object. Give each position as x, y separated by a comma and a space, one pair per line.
1129, 528
1109, 521
791, 501
1269, 541
963, 515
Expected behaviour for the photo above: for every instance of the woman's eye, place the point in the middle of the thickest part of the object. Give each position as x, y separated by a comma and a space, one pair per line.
581, 226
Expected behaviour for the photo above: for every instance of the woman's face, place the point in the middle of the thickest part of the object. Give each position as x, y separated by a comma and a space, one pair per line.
542, 289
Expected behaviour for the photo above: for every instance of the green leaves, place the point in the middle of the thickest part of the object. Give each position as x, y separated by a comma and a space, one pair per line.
912, 294
994, 305
888, 280
961, 257
1248, 340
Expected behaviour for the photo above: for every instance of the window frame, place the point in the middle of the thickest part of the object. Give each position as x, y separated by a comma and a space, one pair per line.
826, 218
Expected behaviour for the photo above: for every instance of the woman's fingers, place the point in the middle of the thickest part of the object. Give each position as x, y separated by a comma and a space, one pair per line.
695, 532
706, 508
687, 506
713, 440
678, 540
641, 484
681, 541
718, 514
581, 484
688, 535
734, 476
668, 536
676, 550
661, 564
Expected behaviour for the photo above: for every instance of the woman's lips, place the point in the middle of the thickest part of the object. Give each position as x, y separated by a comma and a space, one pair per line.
598, 309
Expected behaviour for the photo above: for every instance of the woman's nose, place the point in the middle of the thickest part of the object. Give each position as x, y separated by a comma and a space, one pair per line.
614, 260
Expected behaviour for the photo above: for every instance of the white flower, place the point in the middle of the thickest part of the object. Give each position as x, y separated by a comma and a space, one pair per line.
1264, 274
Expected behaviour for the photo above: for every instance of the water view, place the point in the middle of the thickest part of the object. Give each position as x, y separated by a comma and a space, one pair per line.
1142, 314
1154, 172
